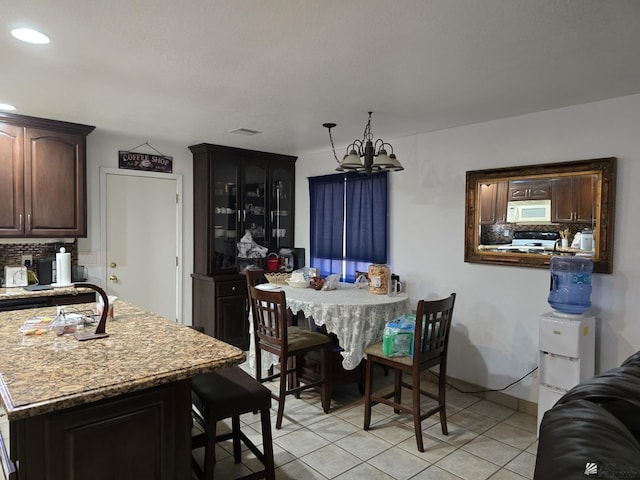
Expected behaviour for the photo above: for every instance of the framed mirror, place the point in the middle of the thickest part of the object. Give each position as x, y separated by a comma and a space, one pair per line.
522, 216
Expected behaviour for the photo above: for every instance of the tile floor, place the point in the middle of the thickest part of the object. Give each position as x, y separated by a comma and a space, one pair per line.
485, 441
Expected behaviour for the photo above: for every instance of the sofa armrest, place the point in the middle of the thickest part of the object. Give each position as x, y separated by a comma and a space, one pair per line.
580, 434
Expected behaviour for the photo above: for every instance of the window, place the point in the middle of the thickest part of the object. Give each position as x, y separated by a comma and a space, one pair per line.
349, 222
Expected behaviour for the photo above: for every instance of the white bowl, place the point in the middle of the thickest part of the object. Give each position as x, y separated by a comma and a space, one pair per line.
303, 284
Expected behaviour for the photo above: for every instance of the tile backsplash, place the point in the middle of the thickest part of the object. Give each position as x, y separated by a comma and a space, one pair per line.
494, 234
11, 253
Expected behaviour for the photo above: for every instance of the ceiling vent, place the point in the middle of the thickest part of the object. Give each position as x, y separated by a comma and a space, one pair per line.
245, 131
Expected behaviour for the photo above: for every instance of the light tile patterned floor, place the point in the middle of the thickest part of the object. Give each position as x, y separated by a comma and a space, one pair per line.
485, 441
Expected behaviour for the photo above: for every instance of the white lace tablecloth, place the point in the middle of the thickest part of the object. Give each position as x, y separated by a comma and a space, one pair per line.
356, 316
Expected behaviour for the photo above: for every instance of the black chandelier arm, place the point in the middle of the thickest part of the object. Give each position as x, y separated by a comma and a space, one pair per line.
383, 145
366, 151
357, 145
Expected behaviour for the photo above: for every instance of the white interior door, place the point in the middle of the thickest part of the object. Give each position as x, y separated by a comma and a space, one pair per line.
142, 238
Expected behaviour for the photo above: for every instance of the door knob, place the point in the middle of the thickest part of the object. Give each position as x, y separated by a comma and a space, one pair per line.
113, 265
113, 278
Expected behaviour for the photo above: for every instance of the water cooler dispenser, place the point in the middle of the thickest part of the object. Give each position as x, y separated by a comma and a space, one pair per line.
567, 334
567, 356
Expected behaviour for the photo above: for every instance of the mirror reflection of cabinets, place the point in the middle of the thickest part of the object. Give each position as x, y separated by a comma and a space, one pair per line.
573, 199
561, 200
493, 203
529, 190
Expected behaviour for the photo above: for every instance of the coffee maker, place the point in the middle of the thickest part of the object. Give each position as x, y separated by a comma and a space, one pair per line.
46, 270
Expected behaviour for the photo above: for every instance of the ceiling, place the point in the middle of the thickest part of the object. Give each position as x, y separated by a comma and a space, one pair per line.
192, 71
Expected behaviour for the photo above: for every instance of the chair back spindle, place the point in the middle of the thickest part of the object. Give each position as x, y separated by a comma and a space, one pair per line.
433, 324
270, 319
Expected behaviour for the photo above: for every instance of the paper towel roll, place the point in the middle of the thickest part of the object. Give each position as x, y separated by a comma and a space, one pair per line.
63, 268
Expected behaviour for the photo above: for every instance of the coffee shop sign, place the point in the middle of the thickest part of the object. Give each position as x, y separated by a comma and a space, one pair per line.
145, 161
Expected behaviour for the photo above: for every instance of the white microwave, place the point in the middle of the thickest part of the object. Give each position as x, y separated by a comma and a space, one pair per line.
529, 211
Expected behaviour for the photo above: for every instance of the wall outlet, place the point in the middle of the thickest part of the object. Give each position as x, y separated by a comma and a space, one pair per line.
27, 257
505, 233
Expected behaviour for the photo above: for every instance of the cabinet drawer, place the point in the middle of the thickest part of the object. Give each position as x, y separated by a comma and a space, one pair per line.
227, 289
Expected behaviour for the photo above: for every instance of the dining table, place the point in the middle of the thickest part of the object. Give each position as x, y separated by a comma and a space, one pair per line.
354, 315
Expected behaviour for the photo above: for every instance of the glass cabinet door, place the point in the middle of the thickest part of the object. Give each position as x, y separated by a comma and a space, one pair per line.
281, 211
225, 214
254, 214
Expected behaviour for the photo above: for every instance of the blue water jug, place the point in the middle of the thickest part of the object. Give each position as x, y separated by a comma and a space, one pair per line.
570, 290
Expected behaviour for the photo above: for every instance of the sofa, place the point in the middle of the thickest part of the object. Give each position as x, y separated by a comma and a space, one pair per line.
593, 431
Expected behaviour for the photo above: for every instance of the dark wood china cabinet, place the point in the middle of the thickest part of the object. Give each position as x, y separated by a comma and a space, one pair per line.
42, 177
237, 192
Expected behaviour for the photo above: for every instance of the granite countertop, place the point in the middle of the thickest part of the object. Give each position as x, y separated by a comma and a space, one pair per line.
45, 373
19, 292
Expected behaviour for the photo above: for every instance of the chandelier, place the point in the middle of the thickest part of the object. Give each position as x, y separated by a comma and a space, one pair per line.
366, 155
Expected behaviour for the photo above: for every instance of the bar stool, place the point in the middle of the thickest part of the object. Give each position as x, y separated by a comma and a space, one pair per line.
230, 392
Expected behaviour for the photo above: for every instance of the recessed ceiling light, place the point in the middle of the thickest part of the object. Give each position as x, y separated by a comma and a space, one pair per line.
6, 106
245, 131
30, 36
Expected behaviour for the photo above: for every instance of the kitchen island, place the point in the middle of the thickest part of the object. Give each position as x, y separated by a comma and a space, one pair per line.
16, 298
117, 407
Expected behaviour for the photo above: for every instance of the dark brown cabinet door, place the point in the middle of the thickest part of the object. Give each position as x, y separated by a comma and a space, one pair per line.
493, 203
55, 176
529, 190
573, 199
11, 180
584, 191
253, 218
43, 179
281, 205
232, 324
225, 205
142, 435
488, 192
562, 209
501, 202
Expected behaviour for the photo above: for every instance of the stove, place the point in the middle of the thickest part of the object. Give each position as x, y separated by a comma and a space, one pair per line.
531, 241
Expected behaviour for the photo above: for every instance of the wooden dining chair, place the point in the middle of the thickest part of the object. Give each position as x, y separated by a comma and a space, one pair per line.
430, 346
272, 333
255, 276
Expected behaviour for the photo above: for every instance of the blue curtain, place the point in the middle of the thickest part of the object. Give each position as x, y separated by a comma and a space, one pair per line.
366, 235
339, 246
326, 196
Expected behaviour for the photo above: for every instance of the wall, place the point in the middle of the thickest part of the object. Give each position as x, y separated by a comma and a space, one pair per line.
494, 339
102, 151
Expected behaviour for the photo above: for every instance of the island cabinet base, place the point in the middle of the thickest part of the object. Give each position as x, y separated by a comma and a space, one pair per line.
142, 435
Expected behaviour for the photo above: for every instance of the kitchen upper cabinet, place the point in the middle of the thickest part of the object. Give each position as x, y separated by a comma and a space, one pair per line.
11, 180
42, 177
529, 190
573, 199
493, 203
